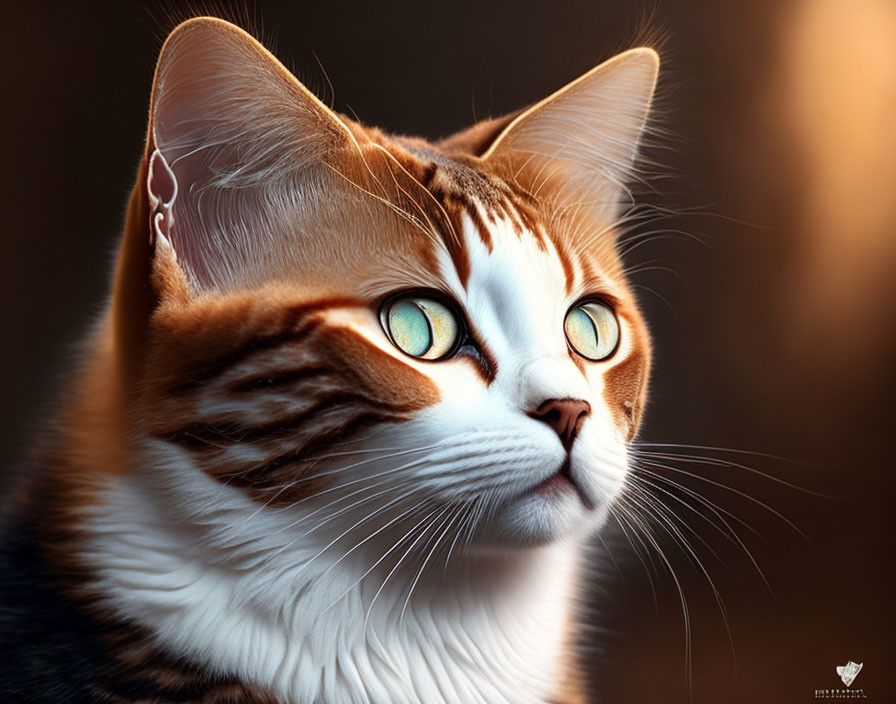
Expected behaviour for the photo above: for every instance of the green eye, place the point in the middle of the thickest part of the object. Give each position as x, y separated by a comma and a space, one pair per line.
592, 330
421, 327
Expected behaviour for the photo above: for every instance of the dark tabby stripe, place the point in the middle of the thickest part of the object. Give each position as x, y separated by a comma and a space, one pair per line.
198, 436
298, 322
335, 399
272, 380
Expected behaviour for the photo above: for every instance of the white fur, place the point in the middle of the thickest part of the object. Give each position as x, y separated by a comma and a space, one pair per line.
492, 633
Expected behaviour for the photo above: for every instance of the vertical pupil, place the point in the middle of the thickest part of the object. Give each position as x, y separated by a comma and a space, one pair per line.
583, 332
410, 328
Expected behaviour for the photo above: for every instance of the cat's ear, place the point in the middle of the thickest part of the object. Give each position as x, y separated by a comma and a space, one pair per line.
581, 142
233, 136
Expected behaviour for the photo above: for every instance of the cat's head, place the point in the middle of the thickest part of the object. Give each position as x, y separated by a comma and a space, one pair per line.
391, 331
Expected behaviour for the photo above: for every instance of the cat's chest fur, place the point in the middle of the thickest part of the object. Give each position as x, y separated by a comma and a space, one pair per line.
310, 629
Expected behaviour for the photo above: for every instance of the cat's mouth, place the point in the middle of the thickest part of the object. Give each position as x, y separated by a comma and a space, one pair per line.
563, 481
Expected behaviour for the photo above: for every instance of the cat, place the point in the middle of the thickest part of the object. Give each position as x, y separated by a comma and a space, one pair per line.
354, 410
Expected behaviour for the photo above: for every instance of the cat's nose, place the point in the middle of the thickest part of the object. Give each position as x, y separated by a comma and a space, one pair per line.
565, 416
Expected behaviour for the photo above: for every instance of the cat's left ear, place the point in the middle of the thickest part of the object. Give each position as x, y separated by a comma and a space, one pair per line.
581, 142
235, 143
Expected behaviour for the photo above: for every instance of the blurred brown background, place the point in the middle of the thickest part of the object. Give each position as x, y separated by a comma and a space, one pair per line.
776, 334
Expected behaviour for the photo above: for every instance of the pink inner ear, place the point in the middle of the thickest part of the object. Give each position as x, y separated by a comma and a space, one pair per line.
161, 184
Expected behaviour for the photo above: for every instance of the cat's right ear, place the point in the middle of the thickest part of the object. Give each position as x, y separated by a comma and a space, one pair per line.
578, 146
232, 131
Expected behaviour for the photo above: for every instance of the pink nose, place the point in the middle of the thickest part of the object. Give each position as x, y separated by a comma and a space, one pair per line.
565, 416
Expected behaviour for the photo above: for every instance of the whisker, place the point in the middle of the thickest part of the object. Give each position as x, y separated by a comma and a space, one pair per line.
318, 475
424, 520
370, 569
445, 525
366, 518
649, 571
732, 490
667, 520
721, 462
714, 508
628, 511
731, 535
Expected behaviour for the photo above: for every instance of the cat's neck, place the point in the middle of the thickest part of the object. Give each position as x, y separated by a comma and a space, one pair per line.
305, 625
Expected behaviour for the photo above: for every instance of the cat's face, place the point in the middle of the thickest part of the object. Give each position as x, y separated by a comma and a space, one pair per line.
533, 415
389, 332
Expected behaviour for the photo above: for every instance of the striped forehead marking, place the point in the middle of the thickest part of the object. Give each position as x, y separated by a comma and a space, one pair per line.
483, 198
488, 202
491, 204
459, 190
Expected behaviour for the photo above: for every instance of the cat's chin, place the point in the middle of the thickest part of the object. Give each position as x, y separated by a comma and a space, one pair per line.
554, 510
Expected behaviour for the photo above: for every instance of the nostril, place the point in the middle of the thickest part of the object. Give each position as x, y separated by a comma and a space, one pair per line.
565, 416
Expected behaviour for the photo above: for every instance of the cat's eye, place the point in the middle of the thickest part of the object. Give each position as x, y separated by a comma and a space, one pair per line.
421, 327
592, 330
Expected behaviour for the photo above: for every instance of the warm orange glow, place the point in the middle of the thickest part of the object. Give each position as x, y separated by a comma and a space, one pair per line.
837, 91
